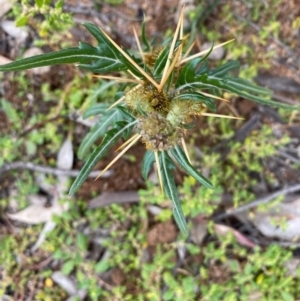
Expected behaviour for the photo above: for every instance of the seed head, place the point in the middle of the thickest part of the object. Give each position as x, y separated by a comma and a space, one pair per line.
158, 133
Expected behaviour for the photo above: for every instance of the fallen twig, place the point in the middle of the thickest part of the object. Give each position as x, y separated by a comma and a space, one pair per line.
289, 157
264, 200
49, 170
108, 198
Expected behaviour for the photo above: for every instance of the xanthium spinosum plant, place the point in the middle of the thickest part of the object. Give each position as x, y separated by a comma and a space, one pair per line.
165, 87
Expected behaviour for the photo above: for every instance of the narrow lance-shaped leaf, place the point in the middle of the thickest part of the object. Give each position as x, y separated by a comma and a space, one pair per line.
243, 84
127, 132
224, 69
94, 110
240, 88
105, 45
125, 114
106, 62
162, 58
147, 163
65, 56
97, 131
187, 74
104, 58
161, 61
203, 68
183, 161
170, 190
109, 140
144, 38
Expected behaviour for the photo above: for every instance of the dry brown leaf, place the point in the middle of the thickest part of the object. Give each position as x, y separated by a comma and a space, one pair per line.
281, 221
65, 158
4, 60
241, 239
37, 213
65, 155
6, 6
18, 33
198, 232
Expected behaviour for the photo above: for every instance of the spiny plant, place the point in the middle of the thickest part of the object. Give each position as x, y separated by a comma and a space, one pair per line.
164, 89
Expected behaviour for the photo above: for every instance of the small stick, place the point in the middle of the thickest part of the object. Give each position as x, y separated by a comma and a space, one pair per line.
260, 201
48, 170
127, 141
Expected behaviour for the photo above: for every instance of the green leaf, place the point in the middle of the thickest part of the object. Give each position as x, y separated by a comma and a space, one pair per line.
242, 88
187, 74
247, 86
21, 21
39, 3
108, 141
121, 124
188, 126
104, 44
81, 241
203, 68
106, 47
68, 267
189, 71
104, 58
161, 61
65, 56
125, 114
10, 111
168, 295
195, 96
94, 110
224, 69
171, 191
59, 4
147, 163
98, 130
183, 161
144, 38
102, 266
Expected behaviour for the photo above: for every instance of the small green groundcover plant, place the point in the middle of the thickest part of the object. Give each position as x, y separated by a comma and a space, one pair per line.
165, 87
